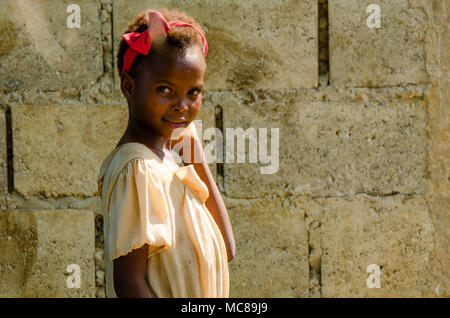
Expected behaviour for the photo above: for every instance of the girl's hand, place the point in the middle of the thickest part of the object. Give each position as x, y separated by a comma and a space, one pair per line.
188, 134
188, 138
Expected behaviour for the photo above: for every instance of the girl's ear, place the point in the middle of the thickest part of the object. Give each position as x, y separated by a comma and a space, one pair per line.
127, 85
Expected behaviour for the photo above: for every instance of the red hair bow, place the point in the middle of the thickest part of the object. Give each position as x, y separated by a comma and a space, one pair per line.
141, 42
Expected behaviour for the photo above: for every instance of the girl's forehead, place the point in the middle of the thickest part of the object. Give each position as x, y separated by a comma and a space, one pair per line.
184, 66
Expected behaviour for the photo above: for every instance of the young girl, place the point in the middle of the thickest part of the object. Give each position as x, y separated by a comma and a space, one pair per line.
167, 232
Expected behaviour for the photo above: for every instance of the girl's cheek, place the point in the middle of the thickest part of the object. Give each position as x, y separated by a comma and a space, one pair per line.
163, 101
196, 106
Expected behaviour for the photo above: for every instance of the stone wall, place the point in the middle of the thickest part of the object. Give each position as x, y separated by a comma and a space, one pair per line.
364, 152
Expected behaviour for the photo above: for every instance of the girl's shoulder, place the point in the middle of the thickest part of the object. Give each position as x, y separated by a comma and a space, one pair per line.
120, 157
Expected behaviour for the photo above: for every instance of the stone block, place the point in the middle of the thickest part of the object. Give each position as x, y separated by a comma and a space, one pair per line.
271, 258
251, 44
58, 149
37, 246
325, 148
40, 51
393, 232
391, 55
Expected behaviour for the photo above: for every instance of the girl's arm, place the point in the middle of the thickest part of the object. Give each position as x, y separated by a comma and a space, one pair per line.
129, 274
214, 203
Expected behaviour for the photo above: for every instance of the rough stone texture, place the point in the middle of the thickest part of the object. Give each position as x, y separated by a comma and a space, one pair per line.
58, 150
328, 149
391, 55
276, 40
438, 197
36, 248
3, 161
394, 232
38, 50
269, 262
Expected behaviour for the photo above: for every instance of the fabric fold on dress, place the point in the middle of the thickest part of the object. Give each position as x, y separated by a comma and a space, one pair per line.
190, 178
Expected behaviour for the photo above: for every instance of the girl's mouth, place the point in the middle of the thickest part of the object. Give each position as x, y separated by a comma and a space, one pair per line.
175, 124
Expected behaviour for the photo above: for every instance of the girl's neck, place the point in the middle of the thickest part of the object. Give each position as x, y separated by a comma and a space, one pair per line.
155, 142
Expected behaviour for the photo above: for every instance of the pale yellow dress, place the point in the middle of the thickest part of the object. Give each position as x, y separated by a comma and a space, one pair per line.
146, 201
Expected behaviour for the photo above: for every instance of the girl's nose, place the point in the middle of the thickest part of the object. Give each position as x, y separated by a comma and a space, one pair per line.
181, 105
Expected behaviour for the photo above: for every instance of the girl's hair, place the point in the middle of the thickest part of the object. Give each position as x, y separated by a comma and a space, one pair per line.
178, 36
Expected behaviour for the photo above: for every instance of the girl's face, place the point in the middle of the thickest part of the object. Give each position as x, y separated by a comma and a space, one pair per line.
167, 87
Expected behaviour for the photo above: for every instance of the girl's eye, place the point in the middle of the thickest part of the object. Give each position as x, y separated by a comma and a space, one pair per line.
166, 90
163, 89
193, 90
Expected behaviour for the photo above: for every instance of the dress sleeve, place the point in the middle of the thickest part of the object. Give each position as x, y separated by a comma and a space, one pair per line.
139, 211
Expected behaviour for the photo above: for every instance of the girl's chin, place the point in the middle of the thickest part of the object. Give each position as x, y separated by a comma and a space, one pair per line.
176, 134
